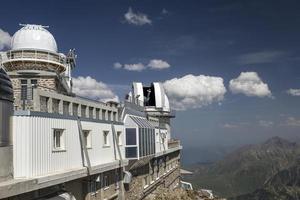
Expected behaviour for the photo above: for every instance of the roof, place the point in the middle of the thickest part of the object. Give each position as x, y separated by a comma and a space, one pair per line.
34, 37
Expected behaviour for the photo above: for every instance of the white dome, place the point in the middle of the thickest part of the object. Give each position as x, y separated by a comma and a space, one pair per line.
33, 37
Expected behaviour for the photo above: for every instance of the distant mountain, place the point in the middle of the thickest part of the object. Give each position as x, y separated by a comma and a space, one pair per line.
246, 169
285, 185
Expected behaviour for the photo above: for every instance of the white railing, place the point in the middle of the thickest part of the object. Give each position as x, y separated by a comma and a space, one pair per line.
33, 54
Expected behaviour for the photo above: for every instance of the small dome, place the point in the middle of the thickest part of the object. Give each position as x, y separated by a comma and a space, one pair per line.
33, 37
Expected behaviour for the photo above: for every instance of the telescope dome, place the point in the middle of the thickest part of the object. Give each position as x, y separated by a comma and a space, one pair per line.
34, 37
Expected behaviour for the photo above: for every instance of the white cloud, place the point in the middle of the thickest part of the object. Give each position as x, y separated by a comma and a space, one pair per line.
158, 64
249, 84
229, 126
91, 88
265, 123
5, 39
260, 57
135, 67
117, 65
193, 91
291, 121
138, 19
164, 11
294, 92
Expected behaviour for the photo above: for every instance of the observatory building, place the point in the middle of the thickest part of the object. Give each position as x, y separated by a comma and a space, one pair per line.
57, 145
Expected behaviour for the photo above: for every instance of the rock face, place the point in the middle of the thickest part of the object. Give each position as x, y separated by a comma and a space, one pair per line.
247, 168
285, 185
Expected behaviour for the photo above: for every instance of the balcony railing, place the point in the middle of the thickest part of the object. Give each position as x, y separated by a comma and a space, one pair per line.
33, 54
173, 143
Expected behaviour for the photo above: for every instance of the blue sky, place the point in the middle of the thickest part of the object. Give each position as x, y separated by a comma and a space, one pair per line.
212, 38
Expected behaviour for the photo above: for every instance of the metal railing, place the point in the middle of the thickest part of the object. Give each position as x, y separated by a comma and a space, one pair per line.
173, 143
33, 54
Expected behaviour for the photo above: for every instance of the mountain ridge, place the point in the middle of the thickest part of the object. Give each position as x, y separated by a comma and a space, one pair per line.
246, 169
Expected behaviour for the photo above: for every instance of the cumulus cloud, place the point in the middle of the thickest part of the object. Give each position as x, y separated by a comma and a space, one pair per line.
135, 67
91, 88
138, 19
193, 91
229, 126
164, 11
5, 39
249, 84
291, 121
117, 65
155, 64
265, 123
260, 57
158, 64
293, 92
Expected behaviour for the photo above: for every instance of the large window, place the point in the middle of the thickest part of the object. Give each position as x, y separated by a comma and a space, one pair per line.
146, 141
130, 136
58, 139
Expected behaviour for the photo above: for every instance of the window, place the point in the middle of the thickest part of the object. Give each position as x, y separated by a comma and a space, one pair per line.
66, 106
117, 179
131, 152
103, 115
105, 138
97, 113
83, 111
55, 105
109, 115
106, 182
23, 89
58, 139
91, 109
130, 136
75, 109
33, 83
114, 116
119, 139
44, 104
87, 139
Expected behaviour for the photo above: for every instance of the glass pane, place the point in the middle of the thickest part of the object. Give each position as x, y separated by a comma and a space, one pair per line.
140, 143
130, 136
131, 152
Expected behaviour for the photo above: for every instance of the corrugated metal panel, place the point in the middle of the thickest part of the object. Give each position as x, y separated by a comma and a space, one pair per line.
33, 145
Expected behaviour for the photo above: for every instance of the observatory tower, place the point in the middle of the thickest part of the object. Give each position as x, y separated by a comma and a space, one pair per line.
34, 62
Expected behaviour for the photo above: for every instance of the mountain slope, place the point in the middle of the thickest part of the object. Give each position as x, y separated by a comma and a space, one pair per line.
247, 168
285, 185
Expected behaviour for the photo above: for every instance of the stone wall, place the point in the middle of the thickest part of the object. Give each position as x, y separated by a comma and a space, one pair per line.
106, 185
159, 173
43, 83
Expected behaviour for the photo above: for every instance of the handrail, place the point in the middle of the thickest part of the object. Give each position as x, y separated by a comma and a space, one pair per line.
34, 54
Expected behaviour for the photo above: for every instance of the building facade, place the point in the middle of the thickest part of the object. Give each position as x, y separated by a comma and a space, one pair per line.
62, 146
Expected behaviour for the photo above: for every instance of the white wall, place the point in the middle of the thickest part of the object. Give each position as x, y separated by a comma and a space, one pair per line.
159, 145
33, 145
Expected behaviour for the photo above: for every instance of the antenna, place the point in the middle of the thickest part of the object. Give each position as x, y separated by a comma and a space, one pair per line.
32, 24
